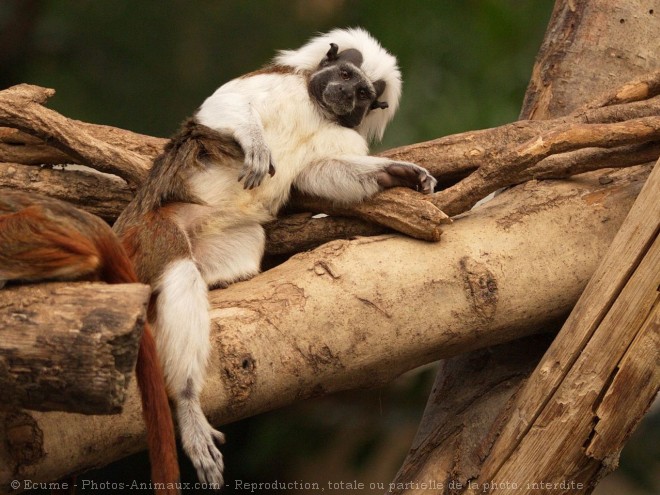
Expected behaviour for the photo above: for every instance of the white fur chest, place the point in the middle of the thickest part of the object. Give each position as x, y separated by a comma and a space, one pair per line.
294, 130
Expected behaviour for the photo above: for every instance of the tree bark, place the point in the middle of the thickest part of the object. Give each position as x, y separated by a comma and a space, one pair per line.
445, 449
358, 313
84, 361
590, 48
600, 374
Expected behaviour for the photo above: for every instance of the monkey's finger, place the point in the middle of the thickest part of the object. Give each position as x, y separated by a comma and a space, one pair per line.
246, 176
252, 180
427, 182
218, 437
404, 170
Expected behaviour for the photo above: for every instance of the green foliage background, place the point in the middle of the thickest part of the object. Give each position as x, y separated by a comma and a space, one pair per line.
146, 65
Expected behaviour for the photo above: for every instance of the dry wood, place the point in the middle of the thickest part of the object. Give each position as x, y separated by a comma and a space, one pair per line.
69, 347
18, 147
489, 376
642, 88
452, 158
590, 49
573, 44
358, 313
400, 209
101, 194
568, 164
302, 232
449, 159
618, 307
500, 167
22, 107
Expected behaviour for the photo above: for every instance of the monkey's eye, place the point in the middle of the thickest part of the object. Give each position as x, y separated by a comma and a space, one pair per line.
363, 94
344, 74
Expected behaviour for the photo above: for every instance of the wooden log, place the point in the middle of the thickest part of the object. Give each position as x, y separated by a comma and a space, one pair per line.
103, 195
574, 43
400, 209
606, 349
358, 313
304, 231
22, 107
18, 147
69, 347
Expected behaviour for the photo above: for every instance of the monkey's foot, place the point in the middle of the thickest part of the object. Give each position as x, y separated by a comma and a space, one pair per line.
407, 174
257, 164
200, 442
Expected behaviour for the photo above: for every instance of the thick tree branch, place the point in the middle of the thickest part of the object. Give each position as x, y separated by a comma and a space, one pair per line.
22, 107
590, 48
400, 209
303, 231
86, 357
18, 147
322, 322
101, 194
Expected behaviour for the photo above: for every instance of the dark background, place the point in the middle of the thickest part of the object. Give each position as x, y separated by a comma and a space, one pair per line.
146, 65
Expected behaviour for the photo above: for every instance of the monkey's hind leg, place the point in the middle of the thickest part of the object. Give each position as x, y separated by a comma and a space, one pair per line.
183, 326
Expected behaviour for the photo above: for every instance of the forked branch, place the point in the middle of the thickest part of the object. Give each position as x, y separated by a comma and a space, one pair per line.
621, 128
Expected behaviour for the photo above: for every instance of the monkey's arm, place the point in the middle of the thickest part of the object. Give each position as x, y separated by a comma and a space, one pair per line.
232, 114
350, 179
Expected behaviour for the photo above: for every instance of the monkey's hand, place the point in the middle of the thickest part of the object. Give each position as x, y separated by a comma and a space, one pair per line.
405, 174
258, 162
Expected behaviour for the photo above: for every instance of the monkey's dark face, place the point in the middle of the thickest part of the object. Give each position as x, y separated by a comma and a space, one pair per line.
342, 90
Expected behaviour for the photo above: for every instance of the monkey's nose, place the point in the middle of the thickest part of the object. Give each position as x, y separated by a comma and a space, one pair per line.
346, 93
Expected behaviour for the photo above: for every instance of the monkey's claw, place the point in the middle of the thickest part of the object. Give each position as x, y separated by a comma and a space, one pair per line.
426, 182
200, 442
412, 176
206, 457
257, 164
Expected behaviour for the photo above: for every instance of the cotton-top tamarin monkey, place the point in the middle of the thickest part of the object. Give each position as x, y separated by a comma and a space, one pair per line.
46, 239
303, 121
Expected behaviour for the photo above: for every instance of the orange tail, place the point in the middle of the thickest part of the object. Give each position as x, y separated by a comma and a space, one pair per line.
157, 416
41, 239
155, 405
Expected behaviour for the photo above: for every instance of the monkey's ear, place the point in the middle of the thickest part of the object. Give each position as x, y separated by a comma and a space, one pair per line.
379, 86
331, 56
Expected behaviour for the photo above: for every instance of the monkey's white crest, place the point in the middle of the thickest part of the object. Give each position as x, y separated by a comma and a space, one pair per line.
378, 64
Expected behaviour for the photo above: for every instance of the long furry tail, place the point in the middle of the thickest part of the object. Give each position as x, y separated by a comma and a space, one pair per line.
156, 410
46, 239
116, 267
